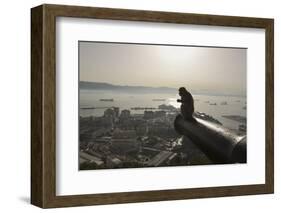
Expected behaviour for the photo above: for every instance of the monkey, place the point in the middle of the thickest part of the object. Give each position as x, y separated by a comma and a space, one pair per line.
187, 104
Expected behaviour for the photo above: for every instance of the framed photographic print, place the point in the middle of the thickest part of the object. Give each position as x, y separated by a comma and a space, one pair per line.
137, 106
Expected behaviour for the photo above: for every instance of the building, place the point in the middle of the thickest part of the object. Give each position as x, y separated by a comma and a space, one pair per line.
164, 157
160, 113
116, 111
90, 158
124, 134
82, 160
152, 114
113, 162
125, 114
109, 113
148, 115
124, 141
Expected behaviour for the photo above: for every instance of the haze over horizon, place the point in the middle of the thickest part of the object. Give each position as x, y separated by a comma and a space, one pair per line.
201, 69
126, 84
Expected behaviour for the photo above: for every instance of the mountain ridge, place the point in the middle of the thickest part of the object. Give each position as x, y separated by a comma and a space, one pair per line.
107, 86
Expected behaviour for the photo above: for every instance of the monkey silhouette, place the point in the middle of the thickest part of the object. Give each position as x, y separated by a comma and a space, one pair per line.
187, 104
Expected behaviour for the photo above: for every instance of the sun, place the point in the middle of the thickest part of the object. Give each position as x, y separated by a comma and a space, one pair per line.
177, 55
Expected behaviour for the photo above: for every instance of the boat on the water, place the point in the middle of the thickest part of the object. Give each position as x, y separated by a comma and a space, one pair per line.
158, 99
105, 99
143, 108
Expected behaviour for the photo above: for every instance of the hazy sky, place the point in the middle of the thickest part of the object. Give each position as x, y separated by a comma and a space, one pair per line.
200, 69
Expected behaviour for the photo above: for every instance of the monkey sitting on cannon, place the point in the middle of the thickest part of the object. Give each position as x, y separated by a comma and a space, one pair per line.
187, 104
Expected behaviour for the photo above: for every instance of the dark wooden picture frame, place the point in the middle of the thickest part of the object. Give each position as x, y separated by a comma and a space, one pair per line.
43, 105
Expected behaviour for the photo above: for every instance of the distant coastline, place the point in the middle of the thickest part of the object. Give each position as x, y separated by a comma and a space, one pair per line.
86, 85
137, 89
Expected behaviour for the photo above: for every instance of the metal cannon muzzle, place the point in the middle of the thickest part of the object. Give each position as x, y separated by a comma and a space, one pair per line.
221, 145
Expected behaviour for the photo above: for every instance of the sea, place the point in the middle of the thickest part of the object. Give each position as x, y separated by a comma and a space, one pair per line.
216, 106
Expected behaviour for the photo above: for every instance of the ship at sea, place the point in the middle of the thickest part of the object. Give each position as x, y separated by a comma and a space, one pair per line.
143, 108
104, 99
158, 99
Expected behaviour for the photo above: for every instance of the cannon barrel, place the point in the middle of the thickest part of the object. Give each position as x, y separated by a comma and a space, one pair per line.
218, 143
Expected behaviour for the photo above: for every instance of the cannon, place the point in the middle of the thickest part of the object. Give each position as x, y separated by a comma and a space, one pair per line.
219, 144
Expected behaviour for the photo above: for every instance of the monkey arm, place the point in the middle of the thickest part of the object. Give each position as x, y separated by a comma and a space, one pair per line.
179, 100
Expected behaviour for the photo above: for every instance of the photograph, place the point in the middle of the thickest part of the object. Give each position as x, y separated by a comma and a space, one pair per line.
155, 105
140, 105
